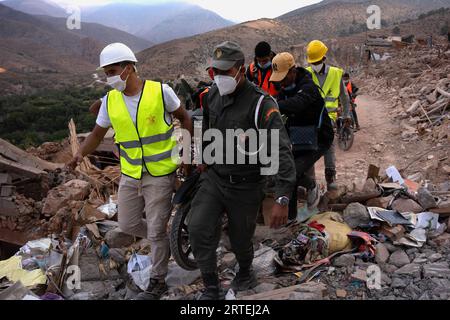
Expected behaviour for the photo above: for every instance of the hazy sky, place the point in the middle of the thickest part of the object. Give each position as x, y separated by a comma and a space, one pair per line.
235, 10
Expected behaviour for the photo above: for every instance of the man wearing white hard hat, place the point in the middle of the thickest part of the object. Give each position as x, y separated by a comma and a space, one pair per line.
140, 112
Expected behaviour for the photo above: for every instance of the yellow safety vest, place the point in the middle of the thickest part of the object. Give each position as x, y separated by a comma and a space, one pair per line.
149, 143
331, 89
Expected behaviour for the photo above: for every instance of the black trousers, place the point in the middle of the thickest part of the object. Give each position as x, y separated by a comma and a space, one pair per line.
215, 197
354, 114
304, 161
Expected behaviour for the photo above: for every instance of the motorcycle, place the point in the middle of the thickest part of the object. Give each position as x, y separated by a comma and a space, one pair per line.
179, 235
345, 133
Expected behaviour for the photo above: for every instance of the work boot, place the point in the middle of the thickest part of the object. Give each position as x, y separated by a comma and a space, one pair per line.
313, 197
330, 177
212, 287
210, 293
154, 291
245, 280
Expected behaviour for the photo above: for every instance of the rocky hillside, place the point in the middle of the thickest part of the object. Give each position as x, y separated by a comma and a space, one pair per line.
342, 17
34, 54
190, 56
33, 43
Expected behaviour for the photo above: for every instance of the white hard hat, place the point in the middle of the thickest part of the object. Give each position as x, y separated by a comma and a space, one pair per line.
115, 53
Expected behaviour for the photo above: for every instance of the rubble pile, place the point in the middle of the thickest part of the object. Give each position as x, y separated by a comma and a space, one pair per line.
386, 239
43, 204
48, 150
24, 212
416, 82
35, 201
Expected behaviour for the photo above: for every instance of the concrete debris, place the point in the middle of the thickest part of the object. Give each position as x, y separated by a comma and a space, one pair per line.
436, 270
406, 205
412, 269
426, 199
382, 254
393, 233
59, 197
383, 202
442, 240
306, 291
346, 260
356, 214
265, 287
340, 293
360, 275
118, 239
435, 257
399, 258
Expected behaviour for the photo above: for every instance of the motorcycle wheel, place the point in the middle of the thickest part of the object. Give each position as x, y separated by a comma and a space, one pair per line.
346, 138
179, 240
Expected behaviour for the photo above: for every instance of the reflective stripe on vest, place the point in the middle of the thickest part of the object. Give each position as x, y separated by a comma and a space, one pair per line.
265, 84
331, 89
150, 142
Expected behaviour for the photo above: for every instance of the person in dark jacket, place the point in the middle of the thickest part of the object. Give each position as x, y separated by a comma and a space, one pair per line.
301, 102
260, 70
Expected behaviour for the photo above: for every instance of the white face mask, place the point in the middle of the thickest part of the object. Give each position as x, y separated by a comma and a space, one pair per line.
317, 67
266, 65
226, 84
117, 83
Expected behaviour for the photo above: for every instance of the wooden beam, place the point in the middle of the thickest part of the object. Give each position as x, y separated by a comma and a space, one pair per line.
443, 211
360, 196
11, 152
85, 165
310, 290
337, 206
17, 238
21, 169
443, 92
373, 172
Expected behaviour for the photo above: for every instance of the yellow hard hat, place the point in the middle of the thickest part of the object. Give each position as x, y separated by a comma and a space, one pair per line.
316, 50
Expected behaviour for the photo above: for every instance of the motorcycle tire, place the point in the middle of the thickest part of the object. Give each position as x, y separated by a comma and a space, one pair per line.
346, 138
179, 240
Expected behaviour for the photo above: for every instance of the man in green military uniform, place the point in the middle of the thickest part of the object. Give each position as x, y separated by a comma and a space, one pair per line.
233, 103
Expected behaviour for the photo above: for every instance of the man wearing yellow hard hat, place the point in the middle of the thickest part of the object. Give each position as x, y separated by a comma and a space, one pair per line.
328, 78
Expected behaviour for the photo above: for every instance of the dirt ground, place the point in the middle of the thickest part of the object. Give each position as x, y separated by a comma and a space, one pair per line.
378, 142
